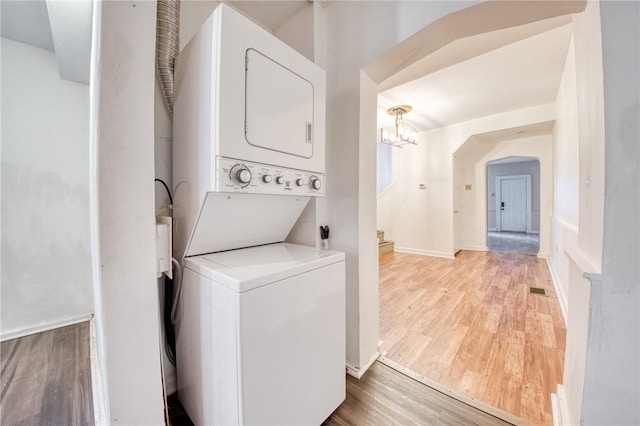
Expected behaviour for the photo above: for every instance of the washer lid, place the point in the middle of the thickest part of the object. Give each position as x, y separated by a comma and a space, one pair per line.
246, 269
230, 221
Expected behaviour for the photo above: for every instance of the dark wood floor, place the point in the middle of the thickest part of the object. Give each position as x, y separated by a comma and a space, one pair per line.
383, 396
46, 378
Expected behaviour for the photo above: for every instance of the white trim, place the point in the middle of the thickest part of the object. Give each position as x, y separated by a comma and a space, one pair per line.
555, 410
475, 248
358, 372
559, 408
566, 225
528, 210
94, 214
385, 191
446, 255
99, 412
588, 269
557, 285
45, 327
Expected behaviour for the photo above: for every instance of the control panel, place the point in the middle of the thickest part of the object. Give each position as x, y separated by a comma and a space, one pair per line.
244, 176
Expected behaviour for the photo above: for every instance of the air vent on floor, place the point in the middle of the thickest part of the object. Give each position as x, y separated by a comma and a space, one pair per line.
538, 290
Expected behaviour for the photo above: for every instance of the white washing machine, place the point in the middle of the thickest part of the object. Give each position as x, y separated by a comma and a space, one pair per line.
260, 331
261, 337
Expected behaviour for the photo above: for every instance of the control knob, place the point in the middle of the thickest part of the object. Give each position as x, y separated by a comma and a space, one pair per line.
240, 174
299, 182
316, 183
279, 180
266, 178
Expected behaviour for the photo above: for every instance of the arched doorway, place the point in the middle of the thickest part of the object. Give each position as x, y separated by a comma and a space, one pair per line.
513, 205
477, 193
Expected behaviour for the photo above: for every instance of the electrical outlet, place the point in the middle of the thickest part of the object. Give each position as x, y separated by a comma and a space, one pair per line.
163, 246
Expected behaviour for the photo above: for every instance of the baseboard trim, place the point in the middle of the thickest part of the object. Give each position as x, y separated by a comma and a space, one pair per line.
358, 372
555, 410
557, 285
559, 408
490, 409
475, 248
426, 252
99, 411
15, 334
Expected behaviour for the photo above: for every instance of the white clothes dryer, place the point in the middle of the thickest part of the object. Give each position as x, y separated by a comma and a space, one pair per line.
261, 336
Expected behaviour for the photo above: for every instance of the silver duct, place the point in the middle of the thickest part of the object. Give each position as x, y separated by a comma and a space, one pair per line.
167, 47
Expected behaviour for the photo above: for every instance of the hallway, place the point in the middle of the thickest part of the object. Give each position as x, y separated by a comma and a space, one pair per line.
471, 324
513, 242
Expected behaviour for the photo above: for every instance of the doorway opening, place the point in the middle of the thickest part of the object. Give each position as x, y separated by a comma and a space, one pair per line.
467, 321
513, 205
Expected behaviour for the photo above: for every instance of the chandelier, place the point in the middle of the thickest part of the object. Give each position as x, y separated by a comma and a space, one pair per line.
402, 133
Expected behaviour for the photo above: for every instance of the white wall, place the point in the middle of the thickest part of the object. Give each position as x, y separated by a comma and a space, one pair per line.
564, 224
123, 228
421, 220
531, 168
46, 257
612, 385
601, 379
565, 150
589, 91
350, 139
578, 226
298, 31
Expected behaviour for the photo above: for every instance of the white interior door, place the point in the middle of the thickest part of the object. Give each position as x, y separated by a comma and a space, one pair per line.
513, 204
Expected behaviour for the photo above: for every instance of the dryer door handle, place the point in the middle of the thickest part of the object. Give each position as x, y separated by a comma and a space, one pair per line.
309, 132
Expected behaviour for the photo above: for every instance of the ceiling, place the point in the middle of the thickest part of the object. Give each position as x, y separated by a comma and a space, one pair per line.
58, 25
26, 22
65, 26
522, 74
271, 14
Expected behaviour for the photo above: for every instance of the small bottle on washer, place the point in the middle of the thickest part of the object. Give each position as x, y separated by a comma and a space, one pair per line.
324, 236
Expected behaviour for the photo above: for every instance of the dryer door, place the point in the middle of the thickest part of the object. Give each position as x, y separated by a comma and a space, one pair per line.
278, 107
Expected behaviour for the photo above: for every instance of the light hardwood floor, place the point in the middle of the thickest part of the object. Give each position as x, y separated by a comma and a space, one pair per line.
470, 323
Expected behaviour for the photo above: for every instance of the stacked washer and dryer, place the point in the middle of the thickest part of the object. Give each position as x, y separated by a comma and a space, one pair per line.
260, 329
